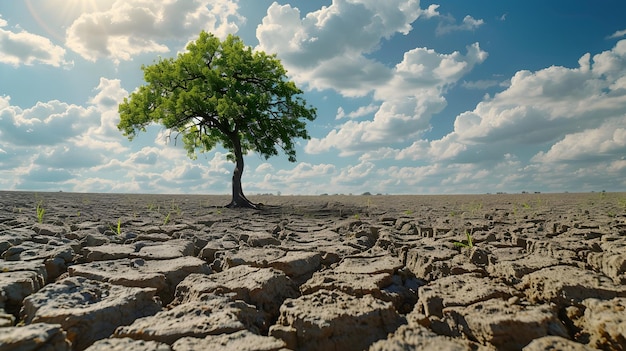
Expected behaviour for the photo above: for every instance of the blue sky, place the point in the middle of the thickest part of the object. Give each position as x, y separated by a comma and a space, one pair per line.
412, 97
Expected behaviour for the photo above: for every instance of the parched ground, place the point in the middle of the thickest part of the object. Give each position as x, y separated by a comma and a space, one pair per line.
180, 272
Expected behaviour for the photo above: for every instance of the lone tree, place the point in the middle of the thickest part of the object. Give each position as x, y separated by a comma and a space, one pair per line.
221, 92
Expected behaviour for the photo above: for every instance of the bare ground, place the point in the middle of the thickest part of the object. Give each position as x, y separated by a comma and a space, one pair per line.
519, 241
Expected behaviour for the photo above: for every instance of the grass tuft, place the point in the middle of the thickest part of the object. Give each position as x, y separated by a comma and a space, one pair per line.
469, 244
40, 211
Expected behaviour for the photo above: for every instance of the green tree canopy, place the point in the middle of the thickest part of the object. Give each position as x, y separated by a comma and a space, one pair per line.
221, 92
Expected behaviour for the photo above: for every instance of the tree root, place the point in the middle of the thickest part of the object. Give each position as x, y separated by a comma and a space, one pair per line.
240, 201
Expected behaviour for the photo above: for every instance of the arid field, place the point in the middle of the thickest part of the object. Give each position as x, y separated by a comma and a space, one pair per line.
335, 272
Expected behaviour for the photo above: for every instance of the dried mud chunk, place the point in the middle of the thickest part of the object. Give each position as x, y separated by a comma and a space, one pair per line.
107, 252
384, 286
152, 234
512, 271
88, 310
14, 236
243, 340
460, 290
259, 239
564, 248
266, 288
502, 324
555, 343
298, 264
352, 284
171, 229
18, 279
165, 251
605, 321
15, 286
127, 344
209, 251
418, 338
332, 320
613, 264
481, 255
212, 316
37, 267
6, 319
430, 262
566, 285
162, 275
49, 229
91, 238
324, 241
55, 255
58, 260
251, 256
34, 337
369, 264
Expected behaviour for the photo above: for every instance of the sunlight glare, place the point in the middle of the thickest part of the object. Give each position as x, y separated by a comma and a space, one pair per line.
54, 16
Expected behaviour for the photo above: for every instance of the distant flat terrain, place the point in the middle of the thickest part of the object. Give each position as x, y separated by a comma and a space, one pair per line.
111, 207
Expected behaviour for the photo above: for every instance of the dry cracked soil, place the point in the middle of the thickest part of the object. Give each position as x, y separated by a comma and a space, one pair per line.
367, 272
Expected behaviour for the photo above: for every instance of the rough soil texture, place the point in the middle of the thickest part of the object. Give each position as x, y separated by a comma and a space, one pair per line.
363, 272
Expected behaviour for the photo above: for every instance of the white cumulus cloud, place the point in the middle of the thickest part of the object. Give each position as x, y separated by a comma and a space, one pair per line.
55, 141
606, 141
572, 117
326, 48
618, 34
360, 112
546, 105
24, 48
132, 27
469, 23
410, 98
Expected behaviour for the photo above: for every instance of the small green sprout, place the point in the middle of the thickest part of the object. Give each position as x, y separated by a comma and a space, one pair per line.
175, 207
469, 244
167, 218
40, 211
118, 228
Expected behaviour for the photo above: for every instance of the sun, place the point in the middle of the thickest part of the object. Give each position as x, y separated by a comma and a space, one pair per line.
54, 16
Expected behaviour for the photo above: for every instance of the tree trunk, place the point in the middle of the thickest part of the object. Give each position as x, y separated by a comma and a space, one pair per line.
239, 200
